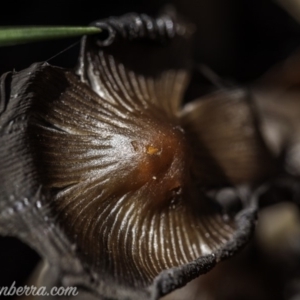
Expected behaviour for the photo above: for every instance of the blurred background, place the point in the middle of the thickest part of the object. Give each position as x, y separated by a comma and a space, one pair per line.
238, 39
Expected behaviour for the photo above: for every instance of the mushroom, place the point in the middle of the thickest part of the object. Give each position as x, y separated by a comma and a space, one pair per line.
108, 175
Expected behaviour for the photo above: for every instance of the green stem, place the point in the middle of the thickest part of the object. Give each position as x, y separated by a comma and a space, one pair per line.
21, 35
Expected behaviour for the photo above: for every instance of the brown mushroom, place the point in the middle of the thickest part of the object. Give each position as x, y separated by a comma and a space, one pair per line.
120, 167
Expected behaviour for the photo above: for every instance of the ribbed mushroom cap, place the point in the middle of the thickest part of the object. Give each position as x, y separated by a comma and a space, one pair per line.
122, 166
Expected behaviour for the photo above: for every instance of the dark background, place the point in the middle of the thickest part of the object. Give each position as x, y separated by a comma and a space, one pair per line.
238, 39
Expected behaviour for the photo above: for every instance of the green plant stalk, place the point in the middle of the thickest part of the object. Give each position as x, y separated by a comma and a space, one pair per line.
20, 35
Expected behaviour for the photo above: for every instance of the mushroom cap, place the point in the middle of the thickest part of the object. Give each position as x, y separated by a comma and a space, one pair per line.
111, 159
